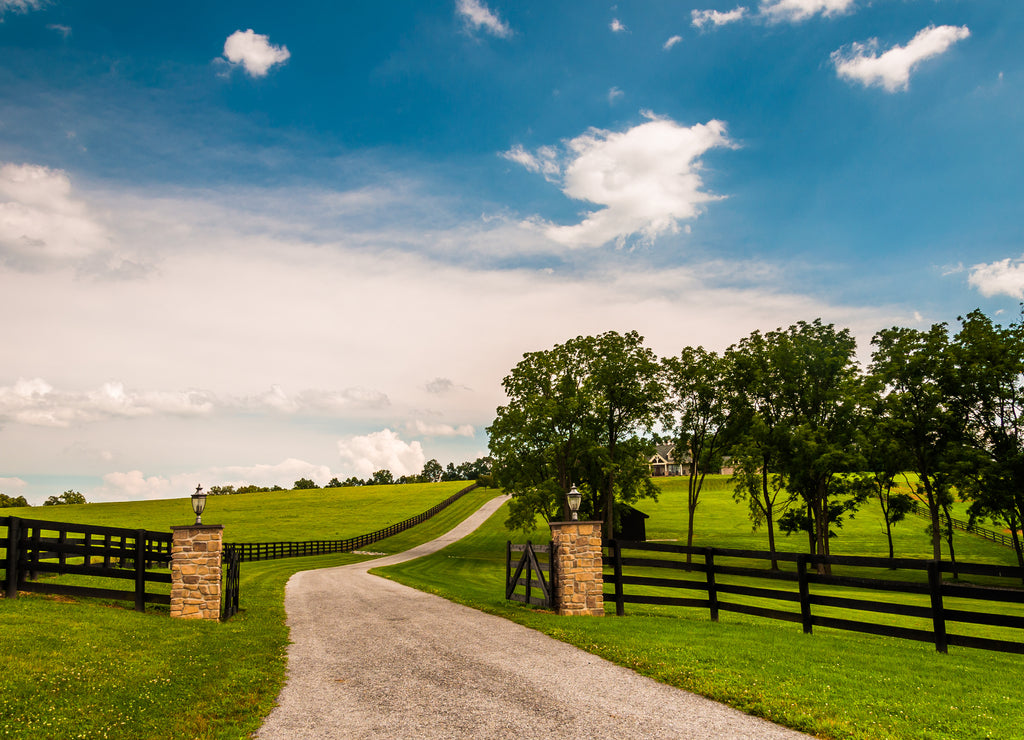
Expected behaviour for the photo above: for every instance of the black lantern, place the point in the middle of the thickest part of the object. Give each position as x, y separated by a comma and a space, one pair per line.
199, 503
574, 497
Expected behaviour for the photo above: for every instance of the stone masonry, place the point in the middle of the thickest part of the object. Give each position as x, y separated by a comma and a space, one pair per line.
195, 571
579, 583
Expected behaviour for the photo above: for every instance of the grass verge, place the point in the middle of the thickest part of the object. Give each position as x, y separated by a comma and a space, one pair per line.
831, 684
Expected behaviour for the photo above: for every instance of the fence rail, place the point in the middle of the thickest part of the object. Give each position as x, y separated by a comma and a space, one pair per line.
538, 574
231, 575
1000, 538
253, 551
31, 547
651, 579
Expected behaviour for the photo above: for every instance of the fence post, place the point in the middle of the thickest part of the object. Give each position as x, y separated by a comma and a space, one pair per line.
13, 533
508, 565
196, 571
529, 572
938, 616
709, 563
140, 570
580, 587
620, 602
805, 593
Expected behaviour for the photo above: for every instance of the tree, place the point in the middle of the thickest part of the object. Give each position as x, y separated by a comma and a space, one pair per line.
989, 368
333, 483
68, 497
885, 459
802, 395
352, 481
10, 502
698, 414
914, 368
304, 484
573, 416
381, 477
432, 471
626, 389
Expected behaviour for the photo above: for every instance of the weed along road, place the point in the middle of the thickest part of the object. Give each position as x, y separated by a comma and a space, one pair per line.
373, 659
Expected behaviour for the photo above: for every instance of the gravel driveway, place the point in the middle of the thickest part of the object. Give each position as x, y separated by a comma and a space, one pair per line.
373, 659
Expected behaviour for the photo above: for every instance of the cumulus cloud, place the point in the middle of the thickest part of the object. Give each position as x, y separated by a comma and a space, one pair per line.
800, 10
425, 429
135, 484
35, 402
254, 52
647, 178
7, 485
317, 401
478, 17
42, 225
702, 18
382, 450
614, 94
891, 69
616, 26
671, 42
1004, 277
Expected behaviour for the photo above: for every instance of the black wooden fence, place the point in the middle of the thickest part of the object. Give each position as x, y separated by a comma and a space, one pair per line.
32, 547
1000, 538
538, 577
723, 584
252, 551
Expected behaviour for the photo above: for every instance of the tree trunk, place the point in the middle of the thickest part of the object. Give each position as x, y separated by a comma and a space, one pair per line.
933, 511
769, 512
949, 540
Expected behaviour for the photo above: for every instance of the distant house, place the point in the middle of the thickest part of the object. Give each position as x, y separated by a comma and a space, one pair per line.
663, 463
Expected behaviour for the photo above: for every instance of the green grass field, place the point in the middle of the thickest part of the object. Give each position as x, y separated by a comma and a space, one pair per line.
90, 668
833, 684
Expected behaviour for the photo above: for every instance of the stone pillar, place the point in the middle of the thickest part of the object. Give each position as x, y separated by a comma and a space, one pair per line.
195, 571
579, 583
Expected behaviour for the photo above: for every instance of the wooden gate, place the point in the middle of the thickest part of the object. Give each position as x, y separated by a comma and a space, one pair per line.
231, 566
537, 579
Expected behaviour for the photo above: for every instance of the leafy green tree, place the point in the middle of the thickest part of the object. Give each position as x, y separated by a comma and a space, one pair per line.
68, 497
989, 361
352, 482
304, 484
432, 471
11, 502
885, 460
333, 483
698, 413
381, 477
915, 370
573, 416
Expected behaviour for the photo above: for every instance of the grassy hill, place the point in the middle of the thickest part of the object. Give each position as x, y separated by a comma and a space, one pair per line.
88, 668
316, 514
833, 684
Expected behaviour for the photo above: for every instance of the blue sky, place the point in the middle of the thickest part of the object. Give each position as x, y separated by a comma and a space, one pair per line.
245, 242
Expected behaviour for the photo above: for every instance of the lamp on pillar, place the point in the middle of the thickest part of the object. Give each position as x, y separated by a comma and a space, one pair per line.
574, 497
198, 504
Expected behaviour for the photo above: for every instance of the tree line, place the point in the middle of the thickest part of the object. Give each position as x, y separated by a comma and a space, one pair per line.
810, 435
433, 472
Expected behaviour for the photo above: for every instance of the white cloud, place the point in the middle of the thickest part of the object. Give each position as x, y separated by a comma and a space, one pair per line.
136, 485
63, 30
891, 70
1004, 277
42, 225
254, 52
616, 26
35, 402
7, 485
20, 6
800, 10
420, 428
701, 18
672, 42
382, 450
478, 16
315, 401
647, 178
614, 94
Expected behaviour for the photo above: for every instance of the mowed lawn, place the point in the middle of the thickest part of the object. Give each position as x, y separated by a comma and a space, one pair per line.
88, 668
832, 684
